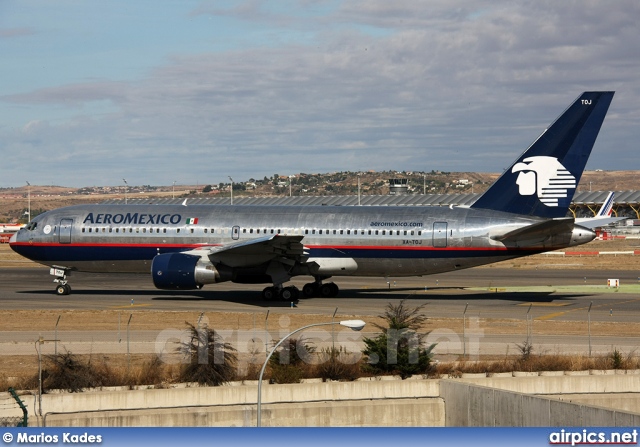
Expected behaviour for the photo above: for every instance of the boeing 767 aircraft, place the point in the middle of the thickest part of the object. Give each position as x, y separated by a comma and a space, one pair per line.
188, 246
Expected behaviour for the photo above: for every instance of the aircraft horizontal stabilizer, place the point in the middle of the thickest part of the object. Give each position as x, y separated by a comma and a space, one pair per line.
535, 231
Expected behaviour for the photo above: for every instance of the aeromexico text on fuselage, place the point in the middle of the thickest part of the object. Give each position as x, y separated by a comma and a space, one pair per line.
175, 219
133, 219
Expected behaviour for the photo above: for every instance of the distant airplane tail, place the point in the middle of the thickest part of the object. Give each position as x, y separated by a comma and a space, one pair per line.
543, 180
607, 206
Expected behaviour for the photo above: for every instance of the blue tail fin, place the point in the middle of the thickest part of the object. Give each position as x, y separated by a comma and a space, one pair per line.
607, 206
542, 181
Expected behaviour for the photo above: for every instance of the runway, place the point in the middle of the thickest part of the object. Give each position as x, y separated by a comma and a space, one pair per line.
489, 292
499, 308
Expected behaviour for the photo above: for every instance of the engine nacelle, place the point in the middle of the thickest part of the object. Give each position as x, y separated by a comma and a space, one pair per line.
179, 271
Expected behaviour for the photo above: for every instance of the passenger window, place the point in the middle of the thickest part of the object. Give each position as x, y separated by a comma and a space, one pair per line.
178, 230
191, 230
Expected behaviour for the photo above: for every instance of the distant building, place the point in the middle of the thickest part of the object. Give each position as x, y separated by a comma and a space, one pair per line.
398, 186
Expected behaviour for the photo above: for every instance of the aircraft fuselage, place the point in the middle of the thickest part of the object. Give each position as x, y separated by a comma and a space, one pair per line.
362, 241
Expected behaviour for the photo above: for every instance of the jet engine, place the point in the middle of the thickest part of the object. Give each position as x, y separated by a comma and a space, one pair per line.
179, 271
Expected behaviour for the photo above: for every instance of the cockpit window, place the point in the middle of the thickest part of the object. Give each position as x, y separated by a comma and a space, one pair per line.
31, 226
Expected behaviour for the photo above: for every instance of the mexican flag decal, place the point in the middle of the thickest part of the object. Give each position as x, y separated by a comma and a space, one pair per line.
192, 220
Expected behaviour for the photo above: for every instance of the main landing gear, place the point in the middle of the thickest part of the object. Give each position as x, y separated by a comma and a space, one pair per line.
310, 290
326, 290
62, 288
290, 293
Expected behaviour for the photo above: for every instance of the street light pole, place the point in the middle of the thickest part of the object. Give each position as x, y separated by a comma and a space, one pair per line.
355, 325
29, 201
173, 190
464, 332
231, 189
358, 189
38, 344
589, 325
126, 186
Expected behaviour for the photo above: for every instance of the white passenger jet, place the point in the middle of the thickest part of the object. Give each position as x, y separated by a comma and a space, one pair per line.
188, 246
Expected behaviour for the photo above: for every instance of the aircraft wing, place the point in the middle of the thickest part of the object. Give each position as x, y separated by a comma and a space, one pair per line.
541, 231
594, 222
287, 249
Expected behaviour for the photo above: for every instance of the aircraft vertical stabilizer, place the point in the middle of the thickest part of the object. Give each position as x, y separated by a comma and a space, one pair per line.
543, 180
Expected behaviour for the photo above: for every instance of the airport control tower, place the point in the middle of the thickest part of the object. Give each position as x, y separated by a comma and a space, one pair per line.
398, 186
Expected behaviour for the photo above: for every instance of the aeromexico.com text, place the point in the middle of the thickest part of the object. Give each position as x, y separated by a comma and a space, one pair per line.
132, 219
396, 224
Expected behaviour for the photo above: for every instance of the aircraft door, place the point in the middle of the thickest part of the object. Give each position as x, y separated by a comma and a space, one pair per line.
235, 233
65, 231
439, 234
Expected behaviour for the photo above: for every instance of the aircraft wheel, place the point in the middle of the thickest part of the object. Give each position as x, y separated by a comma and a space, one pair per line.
310, 290
334, 289
289, 293
326, 290
63, 289
269, 293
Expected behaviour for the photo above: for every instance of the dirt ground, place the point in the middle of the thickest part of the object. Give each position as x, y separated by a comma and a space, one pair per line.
23, 320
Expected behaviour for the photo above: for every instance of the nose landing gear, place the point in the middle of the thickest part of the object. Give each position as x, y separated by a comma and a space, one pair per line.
62, 288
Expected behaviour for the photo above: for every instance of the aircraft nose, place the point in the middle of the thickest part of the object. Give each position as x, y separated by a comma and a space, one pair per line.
13, 239
581, 235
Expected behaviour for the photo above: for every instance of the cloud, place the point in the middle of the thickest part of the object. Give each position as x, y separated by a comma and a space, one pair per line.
380, 85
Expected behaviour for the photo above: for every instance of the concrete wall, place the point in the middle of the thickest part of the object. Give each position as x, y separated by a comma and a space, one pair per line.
620, 401
382, 413
471, 405
387, 402
563, 384
487, 401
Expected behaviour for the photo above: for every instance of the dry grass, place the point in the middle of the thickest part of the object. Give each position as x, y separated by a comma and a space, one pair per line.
149, 371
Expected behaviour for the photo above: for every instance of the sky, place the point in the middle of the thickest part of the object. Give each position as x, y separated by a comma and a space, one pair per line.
94, 92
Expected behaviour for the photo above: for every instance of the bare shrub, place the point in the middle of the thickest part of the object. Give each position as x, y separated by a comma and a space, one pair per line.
291, 362
67, 372
211, 360
337, 364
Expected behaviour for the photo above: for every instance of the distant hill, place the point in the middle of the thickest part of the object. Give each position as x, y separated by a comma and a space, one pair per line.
14, 201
